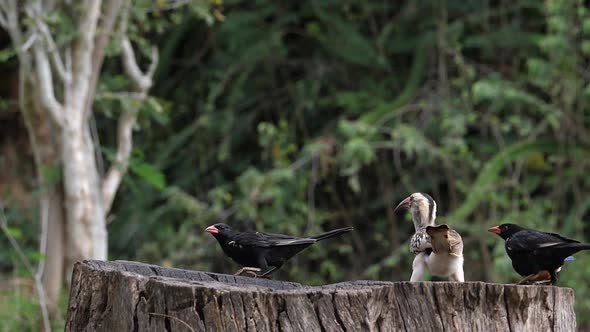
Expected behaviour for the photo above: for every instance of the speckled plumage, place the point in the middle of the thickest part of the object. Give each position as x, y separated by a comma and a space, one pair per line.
420, 242
443, 258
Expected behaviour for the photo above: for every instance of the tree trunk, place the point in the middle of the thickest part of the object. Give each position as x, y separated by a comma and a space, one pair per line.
73, 212
52, 276
46, 153
129, 296
87, 235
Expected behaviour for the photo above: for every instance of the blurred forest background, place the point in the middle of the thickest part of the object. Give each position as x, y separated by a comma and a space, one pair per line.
303, 116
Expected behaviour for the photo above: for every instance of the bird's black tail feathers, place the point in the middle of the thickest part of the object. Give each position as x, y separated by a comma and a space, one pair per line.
578, 246
332, 233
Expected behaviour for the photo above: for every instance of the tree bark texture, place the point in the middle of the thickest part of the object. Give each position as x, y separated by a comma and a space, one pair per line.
87, 234
46, 153
130, 296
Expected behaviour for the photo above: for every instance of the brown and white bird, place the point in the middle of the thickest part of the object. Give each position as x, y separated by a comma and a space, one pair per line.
447, 261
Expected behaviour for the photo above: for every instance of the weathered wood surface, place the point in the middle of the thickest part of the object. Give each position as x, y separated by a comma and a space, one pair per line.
130, 296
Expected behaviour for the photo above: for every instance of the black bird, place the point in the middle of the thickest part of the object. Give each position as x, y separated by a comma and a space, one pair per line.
535, 253
260, 251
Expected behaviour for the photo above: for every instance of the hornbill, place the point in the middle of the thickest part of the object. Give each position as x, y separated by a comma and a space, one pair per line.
263, 252
438, 248
536, 255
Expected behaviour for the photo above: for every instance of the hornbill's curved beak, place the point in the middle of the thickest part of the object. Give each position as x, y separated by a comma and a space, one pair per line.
405, 204
212, 229
495, 229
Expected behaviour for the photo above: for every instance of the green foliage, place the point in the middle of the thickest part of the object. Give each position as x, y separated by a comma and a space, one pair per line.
19, 307
490, 172
323, 114
149, 173
298, 117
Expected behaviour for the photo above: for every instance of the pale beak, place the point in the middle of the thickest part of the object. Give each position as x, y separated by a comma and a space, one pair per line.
405, 204
495, 229
212, 229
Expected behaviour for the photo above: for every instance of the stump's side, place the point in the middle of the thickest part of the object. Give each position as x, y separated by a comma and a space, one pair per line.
123, 296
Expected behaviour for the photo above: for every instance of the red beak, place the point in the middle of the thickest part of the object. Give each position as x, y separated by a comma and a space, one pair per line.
405, 204
212, 229
495, 229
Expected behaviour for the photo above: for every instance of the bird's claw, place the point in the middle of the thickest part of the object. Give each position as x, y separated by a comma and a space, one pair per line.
539, 278
253, 273
249, 271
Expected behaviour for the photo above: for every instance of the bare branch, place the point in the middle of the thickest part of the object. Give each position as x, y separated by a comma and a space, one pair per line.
83, 48
121, 163
142, 81
154, 64
45, 84
30, 41
29, 267
68, 65
35, 12
110, 12
10, 16
56, 60
3, 20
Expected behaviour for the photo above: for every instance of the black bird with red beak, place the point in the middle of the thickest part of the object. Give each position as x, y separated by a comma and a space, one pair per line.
262, 253
537, 255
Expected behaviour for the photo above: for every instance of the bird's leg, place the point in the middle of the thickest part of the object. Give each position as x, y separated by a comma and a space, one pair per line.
418, 267
267, 274
536, 277
247, 270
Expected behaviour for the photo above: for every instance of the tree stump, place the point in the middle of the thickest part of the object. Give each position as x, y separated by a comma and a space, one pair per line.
130, 296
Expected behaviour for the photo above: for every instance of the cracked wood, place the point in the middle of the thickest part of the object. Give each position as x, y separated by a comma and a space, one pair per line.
131, 296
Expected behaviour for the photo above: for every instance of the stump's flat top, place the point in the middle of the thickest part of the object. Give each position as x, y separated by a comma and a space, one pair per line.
242, 283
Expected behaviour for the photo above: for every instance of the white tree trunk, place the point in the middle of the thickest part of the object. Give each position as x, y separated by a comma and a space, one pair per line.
85, 200
87, 235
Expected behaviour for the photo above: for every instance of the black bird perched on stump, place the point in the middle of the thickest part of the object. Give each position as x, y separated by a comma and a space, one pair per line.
536, 255
263, 252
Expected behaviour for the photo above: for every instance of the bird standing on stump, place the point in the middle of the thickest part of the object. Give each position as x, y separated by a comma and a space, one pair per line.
263, 252
448, 259
536, 255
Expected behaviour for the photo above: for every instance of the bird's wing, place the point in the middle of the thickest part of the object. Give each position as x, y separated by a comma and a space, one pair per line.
262, 239
445, 240
455, 243
562, 238
290, 242
530, 240
252, 238
275, 236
